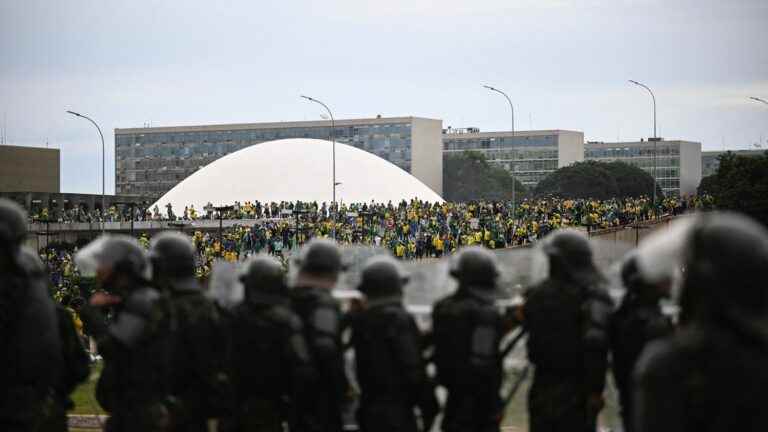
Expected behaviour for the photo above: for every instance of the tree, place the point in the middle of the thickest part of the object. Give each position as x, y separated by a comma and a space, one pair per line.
708, 185
599, 180
468, 176
632, 181
741, 184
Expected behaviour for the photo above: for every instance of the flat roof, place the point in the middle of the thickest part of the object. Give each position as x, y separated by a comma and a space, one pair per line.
637, 143
756, 152
29, 148
506, 134
269, 125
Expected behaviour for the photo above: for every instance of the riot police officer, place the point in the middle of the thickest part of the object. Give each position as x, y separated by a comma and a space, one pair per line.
319, 267
270, 366
638, 321
711, 375
467, 331
133, 386
388, 354
198, 384
566, 316
74, 367
30, 352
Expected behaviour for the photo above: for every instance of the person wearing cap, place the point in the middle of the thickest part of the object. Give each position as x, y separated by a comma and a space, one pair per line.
467, 331
638, 321
134, 383
319, 265
198, 384
566, 316
388, 354
30, 347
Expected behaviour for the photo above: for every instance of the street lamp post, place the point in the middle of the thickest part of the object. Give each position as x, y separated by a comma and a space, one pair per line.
655, 141
220, 212
333, 179
103, 194
512, 110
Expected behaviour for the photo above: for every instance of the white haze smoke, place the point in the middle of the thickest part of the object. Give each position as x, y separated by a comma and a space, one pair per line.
225, 287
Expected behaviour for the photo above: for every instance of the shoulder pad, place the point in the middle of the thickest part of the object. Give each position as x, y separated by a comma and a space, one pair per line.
658, 359
30, 263
286, 317
142, 301
325, 320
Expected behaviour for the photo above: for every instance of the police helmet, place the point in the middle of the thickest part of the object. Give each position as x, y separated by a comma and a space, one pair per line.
13, 224
568, 246
172, 255
119, 253
726, 266
320, 257
476, 266
263, 273
382, 276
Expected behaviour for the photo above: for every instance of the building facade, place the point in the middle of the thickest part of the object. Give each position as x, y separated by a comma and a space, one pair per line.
29, 169
529, 155
710, 160
677, 162
151, 161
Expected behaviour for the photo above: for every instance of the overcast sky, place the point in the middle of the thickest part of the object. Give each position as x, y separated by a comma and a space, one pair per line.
565, 64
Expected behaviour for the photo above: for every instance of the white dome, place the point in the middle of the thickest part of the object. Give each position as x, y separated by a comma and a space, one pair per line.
296, 170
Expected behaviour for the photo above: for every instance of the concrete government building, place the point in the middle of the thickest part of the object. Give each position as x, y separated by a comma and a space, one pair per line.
151, 161
678, 162
529, 155
29, 169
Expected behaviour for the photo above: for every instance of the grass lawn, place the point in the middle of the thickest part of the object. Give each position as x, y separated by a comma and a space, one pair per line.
516, 415
84, 396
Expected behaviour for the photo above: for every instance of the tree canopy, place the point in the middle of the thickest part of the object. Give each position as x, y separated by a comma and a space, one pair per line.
469, 176
740, 184
599, 180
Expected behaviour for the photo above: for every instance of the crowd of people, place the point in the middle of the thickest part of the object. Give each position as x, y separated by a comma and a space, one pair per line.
409, 230
641, 207
177, 360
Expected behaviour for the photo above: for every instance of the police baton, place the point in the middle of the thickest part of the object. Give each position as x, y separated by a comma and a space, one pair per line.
511, 345
515, 387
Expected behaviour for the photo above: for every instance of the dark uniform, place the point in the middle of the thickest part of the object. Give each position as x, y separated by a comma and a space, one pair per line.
30, 353
566, 317
133, 386
319, 267
638, 321
197, 380
75, 363
388, 354
270, 367
712, 375
467, 331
